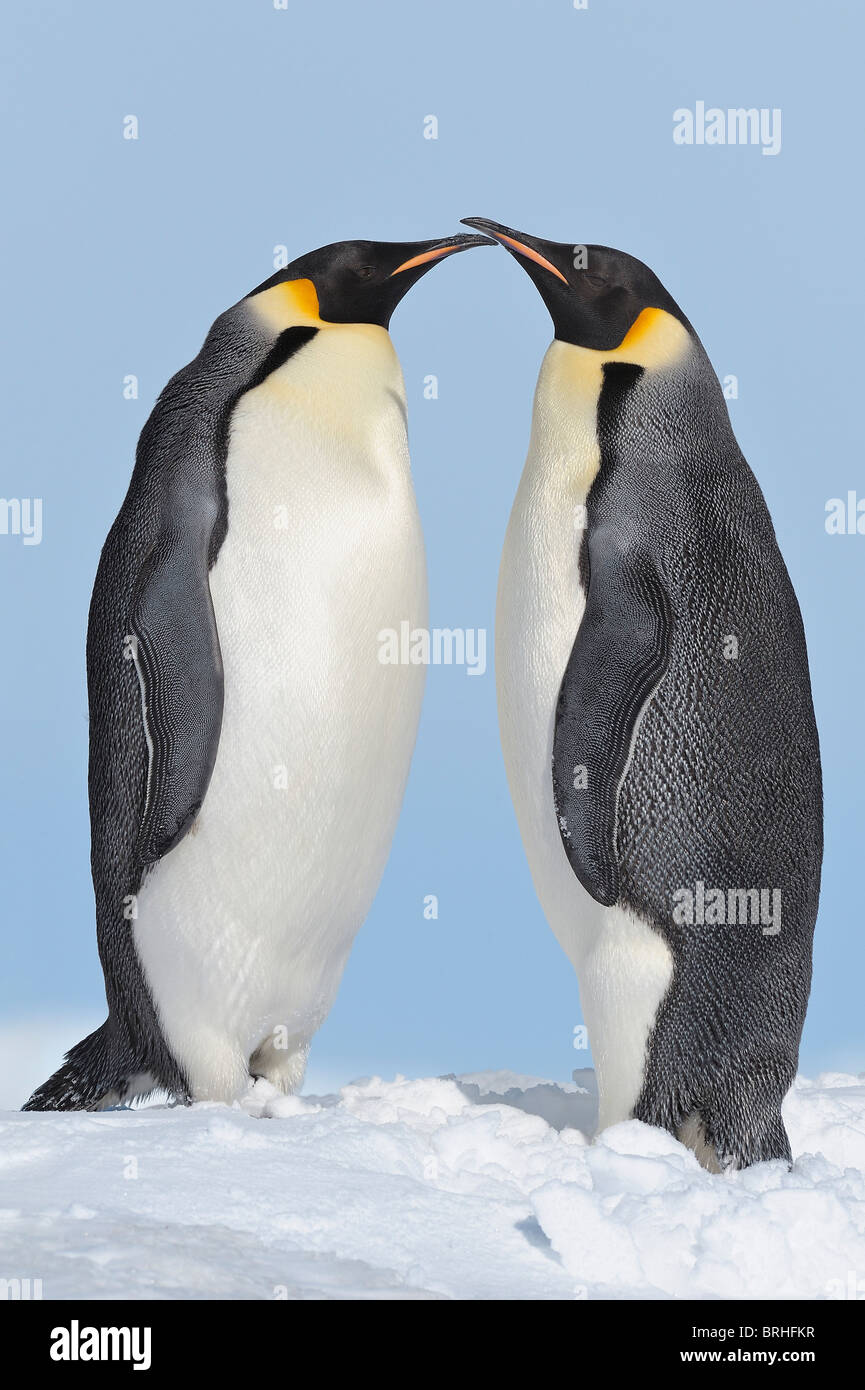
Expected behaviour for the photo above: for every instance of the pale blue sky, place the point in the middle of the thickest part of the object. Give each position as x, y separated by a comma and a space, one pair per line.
261, 127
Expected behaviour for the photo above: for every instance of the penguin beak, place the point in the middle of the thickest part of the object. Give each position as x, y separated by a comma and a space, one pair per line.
421, 254
518, 243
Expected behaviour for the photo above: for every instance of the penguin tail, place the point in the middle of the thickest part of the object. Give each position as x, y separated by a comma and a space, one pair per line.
92, 1077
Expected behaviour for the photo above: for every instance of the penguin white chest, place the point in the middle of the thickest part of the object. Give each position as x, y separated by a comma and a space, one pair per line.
243, 930
623, 966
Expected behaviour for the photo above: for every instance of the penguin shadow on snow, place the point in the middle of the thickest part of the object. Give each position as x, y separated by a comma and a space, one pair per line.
561, 1108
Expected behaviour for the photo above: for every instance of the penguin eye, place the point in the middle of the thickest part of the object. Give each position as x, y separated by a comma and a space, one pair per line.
594, 282
363, 272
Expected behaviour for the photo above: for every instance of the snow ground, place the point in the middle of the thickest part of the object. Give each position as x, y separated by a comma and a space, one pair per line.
480, 1186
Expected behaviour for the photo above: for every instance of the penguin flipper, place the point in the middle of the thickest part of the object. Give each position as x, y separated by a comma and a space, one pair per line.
180, 669
619, 657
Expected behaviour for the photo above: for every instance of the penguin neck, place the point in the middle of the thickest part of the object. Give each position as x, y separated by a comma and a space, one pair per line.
294, 304
564, 440
349, 371
563, 450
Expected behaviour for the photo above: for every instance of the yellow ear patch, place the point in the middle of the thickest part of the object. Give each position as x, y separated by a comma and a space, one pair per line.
644, 324
291, 304
654, 339
302, 298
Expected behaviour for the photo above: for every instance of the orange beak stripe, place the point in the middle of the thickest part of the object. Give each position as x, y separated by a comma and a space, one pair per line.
423, 258
532, 255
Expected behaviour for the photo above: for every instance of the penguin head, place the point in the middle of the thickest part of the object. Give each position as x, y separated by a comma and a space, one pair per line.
594, 298
363, 281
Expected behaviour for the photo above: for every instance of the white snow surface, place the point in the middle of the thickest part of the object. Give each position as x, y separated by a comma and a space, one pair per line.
474, 1187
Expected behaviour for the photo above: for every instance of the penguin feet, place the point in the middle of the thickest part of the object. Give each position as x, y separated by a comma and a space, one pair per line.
280, 1060
736, 1126
692, 1134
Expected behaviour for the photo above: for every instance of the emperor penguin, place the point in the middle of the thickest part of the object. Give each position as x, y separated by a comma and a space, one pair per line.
656, 715
248, 749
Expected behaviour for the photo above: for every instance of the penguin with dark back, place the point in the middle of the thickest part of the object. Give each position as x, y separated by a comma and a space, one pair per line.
656, 714
269, 532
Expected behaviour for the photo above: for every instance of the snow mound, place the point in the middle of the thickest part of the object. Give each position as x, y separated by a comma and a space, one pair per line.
481, 1186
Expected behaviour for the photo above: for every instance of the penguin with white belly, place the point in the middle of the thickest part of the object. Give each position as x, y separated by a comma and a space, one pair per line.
656, 715
248, 749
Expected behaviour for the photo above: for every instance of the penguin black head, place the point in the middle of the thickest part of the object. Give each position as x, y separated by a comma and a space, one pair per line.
363, 281
594, 294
